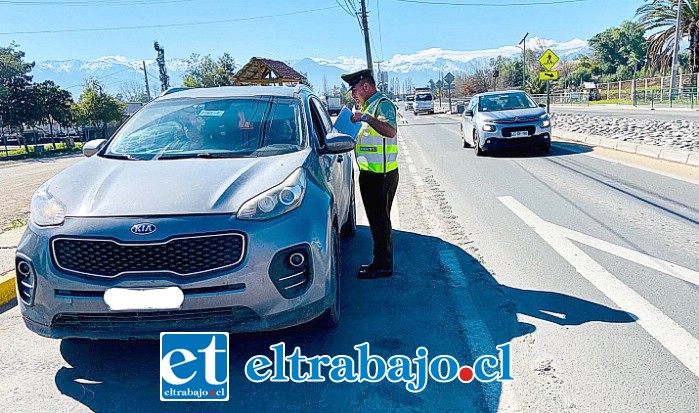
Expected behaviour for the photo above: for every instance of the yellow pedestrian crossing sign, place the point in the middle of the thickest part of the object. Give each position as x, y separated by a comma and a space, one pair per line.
548, 75
548, 59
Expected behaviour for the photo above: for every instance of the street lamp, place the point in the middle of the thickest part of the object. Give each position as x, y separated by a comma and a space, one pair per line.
523, 42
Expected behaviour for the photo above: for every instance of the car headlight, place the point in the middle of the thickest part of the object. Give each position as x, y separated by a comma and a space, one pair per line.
488, 128
46, 209
545, 121
278, 200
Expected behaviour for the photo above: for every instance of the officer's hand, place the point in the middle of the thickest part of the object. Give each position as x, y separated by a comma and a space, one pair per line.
357, 116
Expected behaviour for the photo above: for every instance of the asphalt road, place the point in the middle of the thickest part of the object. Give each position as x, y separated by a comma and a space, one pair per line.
558, 255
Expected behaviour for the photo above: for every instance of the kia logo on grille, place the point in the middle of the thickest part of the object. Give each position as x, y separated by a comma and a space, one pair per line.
143, 228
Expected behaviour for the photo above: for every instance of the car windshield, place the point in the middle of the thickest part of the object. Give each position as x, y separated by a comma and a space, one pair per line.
410, 98
505, 101
423, 97
198, 127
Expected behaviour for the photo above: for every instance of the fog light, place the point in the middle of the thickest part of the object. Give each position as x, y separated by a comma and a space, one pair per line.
487, 141
26, 280
296, 259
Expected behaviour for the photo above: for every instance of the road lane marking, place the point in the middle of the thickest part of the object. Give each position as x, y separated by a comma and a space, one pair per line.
643, 168
674, 270
678, 341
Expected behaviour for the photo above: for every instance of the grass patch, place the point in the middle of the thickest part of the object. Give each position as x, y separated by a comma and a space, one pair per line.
48, 150
15, 223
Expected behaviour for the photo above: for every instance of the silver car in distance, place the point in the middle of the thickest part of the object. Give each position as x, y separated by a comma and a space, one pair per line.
505, 120
209, 210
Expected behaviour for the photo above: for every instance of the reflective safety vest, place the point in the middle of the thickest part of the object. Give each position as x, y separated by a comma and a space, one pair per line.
374, 152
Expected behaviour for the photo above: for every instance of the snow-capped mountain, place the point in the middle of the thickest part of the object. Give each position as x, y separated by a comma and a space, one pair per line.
117, 72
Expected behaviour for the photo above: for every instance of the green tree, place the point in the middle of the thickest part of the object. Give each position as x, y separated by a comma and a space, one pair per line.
15, 83
659, 17
616, 48
97, 108
207, 72
53, 104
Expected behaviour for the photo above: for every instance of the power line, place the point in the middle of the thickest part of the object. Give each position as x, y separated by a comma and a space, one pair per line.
157, 26
89, 3
378, 11
537, 3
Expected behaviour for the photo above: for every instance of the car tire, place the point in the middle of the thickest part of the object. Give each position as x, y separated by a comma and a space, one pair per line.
331, 316
431, 112
545, 148
477, 146
350, 227
414, 113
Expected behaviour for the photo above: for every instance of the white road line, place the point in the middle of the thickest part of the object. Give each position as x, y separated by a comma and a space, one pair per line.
657, 264
643, 168
678, 341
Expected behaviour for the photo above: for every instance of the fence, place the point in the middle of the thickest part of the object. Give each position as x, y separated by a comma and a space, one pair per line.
652, 91
646, 96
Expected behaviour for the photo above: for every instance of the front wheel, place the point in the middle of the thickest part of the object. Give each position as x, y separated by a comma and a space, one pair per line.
350, 226
331, 317
477, 146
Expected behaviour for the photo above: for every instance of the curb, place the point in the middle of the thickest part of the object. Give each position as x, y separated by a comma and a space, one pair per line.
7, 288
651, 151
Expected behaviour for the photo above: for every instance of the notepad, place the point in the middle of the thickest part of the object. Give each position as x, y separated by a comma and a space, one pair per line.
343, 123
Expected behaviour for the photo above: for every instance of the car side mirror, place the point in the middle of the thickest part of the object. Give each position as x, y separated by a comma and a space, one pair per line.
92, 147
468, 113
338, 143
542, 105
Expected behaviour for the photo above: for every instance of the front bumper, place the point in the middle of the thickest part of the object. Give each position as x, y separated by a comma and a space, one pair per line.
502, 137
242, 298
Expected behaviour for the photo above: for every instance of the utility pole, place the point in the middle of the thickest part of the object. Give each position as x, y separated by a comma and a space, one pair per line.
524, 59
378, 63
164, 78
145, 75
675, 51
365, 29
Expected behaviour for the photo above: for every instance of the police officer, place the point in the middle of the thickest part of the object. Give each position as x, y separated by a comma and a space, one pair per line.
376, 152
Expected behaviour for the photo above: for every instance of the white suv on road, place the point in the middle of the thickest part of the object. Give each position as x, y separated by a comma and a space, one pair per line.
424, 102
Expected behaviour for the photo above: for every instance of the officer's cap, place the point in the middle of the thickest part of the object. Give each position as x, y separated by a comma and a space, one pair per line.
353, 78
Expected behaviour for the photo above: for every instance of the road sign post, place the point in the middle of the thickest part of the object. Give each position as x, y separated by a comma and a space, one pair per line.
449, 78
548, 60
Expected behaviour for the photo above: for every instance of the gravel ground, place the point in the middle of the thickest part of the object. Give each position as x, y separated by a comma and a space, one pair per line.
677, 134
19, 180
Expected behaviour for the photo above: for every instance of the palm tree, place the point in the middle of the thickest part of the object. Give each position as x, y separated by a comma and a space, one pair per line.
659, 17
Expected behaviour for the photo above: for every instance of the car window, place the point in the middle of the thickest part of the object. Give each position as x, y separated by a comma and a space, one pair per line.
190, 127
324, 116
319, 128
410, 98
505, 101
422, 97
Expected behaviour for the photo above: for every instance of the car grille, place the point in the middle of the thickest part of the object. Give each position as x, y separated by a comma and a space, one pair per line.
153, 322
516, 120
507, 132
181, 256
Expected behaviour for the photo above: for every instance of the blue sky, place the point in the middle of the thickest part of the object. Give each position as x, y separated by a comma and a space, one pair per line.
397, 26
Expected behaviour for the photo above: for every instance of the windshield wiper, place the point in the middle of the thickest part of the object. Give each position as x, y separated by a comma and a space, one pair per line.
116, 156
205, 155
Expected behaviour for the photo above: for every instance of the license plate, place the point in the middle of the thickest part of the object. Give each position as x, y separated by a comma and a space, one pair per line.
520, 134
144, 299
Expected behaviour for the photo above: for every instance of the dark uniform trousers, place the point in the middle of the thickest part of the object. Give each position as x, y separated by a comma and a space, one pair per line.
378, 191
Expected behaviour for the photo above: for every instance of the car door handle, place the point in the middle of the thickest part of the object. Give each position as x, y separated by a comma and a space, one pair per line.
340, 158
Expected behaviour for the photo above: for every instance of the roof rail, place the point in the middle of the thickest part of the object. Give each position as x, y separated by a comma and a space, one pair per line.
174, 90
300, 86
